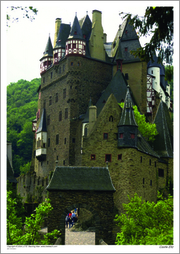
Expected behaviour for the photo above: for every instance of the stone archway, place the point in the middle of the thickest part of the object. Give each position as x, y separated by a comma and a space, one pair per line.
90, 188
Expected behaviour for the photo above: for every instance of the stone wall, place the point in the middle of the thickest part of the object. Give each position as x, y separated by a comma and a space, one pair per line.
99, 203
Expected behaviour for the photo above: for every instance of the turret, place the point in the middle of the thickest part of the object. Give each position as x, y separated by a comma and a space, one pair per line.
127, 127
59, 49
75, 45
47, 59
41, 138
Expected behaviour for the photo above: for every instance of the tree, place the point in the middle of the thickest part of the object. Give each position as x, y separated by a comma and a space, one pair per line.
158, 22
146, 223
27, 12
31, 236
148, 130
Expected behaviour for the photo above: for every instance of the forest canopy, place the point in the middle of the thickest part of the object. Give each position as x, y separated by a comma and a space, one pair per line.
22, 98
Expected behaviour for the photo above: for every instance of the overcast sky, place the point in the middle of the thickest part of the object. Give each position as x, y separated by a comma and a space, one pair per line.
26, 40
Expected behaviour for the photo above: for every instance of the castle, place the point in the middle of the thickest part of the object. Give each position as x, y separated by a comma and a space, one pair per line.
79, 121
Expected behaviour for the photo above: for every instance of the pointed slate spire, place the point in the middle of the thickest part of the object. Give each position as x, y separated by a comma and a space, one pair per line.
127, 127
75, 32
42, 125
49, 48
163, 143
127, 117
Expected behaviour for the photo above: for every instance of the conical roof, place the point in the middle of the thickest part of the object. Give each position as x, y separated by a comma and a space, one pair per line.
163, 143
62, 35
86, 26
42, 125
127, 117
76, 32
49, 48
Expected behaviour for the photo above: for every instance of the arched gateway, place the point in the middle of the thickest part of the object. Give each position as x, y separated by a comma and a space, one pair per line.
87, 187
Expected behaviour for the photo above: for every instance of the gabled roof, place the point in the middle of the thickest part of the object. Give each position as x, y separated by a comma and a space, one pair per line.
42, 125
81, 178
127, 117
76, 32
163, 143
62, 35
117, 86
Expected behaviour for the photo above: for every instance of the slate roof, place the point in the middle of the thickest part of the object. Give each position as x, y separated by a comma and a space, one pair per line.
164, 140
42, 125
76, 32
81, 178
10, 173
49, 48
62, 35
127, 117
143, 146
117, 86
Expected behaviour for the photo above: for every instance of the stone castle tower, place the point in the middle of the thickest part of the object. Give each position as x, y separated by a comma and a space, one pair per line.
79, 74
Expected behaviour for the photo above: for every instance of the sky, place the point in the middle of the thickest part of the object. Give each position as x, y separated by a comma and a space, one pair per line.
25, 41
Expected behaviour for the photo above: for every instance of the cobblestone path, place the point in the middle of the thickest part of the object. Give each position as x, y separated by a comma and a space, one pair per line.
79, 238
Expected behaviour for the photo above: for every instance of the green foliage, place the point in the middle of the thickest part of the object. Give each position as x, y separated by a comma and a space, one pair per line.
157, 22
148, 130
30, 236
146, 223
22, 100
27, 12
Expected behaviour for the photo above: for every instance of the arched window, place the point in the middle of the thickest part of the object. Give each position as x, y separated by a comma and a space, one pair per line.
111, 119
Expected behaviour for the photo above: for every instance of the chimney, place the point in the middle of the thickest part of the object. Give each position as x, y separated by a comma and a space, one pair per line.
92, 116
57, 26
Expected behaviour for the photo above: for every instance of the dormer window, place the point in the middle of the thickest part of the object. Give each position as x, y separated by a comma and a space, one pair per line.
126, 32
75, 32
105, 135
126, 49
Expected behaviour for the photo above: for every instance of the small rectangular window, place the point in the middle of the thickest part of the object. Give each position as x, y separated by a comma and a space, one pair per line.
119, 156
51, 74
126, 49
48, 120
143, 180
60, 115
73, 140
66, 113
155, 164
141, 159
64, 93
149, 161
150, 182
160, 172
50, 100
57, 139
56, 97
121, 135
64, 140
105, 135
64, 162
108, 157
126, 76
132, 136
93, 156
